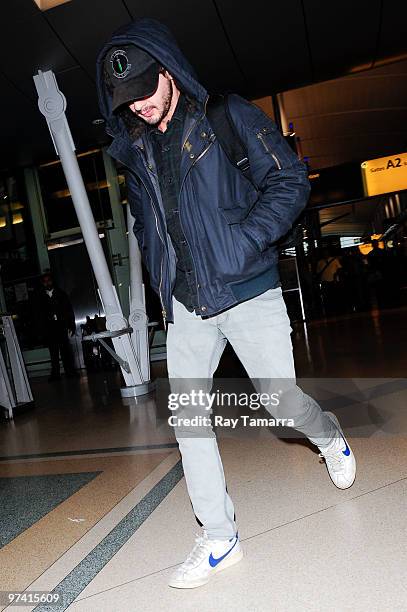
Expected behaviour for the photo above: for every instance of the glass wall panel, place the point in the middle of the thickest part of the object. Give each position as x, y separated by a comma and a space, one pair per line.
352, 269
18, 256
58, 206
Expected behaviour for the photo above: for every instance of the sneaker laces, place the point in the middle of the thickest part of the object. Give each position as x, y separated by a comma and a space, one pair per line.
201, 548
333, 456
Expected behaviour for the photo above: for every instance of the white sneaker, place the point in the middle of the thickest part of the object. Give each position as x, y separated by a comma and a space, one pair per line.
206, 558
339, 458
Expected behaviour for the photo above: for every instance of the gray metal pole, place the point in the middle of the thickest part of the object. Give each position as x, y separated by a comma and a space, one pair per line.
52, 104
138, 316
86, 220
136, 278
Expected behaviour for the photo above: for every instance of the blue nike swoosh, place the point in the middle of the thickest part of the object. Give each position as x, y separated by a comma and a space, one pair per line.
214, 562
346, 452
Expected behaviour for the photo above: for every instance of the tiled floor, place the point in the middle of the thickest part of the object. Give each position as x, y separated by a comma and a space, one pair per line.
121, 520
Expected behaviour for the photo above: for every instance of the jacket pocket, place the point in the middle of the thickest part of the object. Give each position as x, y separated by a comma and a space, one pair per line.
264, 135
237, 210
251, 240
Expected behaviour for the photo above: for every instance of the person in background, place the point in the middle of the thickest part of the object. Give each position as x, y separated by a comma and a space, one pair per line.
328, 269
56, 319
355, 285
377, 275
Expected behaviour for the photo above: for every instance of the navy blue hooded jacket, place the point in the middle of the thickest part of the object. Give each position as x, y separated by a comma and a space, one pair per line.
231, 227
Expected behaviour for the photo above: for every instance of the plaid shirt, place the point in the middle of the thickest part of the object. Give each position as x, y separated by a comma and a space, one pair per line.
167, 155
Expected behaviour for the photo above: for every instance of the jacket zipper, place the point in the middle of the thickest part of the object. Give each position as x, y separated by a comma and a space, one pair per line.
204, 151
199, 157
265, 145
163, 310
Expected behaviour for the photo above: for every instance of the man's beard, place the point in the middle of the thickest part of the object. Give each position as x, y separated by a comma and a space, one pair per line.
167, 99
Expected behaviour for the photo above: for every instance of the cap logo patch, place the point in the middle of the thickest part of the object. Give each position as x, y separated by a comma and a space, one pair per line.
120, 64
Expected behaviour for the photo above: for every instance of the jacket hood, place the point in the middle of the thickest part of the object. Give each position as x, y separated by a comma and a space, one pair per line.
157, 40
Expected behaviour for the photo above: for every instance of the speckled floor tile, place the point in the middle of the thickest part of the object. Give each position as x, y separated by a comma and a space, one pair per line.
348, 557
36, 548
26, 499
271, 483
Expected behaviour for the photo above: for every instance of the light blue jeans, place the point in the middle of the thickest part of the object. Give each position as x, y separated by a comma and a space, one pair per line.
259, 332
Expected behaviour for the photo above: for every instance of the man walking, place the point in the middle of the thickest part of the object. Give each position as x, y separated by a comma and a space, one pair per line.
56, 319
208, 239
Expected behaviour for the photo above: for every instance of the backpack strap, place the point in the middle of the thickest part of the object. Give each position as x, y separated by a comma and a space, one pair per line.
220, 119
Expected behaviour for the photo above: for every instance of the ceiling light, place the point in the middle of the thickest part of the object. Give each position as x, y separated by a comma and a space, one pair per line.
58, 161
98, 121
65, 193
59, 245
17, 218
16, 205
45, 5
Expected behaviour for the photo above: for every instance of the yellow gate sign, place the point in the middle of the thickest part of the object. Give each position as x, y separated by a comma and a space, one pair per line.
385, 174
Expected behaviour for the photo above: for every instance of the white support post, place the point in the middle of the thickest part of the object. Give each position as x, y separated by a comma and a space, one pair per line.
15, 390
52, 104
137, 317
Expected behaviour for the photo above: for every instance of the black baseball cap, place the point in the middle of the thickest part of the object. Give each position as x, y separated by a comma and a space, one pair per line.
133, 74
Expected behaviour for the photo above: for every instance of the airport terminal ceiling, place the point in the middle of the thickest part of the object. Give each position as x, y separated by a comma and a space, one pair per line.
255, 50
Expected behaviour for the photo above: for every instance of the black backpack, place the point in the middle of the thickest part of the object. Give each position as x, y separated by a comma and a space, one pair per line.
220, 119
